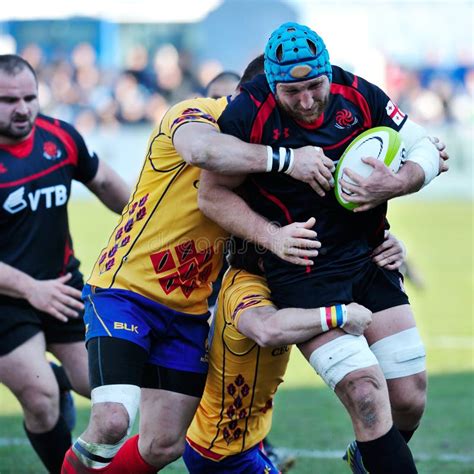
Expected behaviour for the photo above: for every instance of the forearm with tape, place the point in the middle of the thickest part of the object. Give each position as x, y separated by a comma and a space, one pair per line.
420, 150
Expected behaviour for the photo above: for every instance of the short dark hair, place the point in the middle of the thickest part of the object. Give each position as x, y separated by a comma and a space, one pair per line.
254, 68
12, 64
223, 76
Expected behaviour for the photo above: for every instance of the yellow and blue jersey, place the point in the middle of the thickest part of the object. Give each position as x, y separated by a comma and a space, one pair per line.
163, 247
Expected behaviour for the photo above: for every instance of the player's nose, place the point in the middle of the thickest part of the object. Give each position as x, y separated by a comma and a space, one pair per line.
22, 107
306, 100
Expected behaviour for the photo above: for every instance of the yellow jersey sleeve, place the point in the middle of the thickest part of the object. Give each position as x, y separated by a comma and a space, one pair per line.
195, 110
245, 292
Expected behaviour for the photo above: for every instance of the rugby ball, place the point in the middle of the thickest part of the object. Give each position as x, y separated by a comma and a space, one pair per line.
382, 143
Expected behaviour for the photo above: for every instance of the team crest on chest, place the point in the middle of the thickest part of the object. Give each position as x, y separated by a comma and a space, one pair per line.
51, 151
345, 119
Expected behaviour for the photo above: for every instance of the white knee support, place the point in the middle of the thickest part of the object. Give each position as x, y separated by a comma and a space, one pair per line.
341, 356
127, 395
401, 354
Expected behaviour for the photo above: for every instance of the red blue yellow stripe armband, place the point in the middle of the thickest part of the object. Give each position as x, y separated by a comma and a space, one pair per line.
333, 317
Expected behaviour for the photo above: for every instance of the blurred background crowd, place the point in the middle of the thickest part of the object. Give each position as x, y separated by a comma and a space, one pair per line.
117, 76
76, 88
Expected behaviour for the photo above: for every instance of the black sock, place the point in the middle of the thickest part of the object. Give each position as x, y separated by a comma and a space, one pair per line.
52, 445
61, 377
407, 434
388, 454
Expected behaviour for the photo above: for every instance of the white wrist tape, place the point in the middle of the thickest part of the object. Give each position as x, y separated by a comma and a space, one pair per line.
333, 317
420, 150
269, 158
292, 161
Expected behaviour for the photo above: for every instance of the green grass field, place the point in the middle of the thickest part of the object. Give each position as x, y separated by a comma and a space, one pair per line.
308, 417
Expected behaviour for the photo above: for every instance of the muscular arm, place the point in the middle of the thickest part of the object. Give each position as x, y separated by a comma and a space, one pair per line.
110, 188
50, 296
270, 327
291, 243
202, 145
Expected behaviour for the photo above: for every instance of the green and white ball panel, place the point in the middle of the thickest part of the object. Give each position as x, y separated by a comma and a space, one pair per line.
382, 143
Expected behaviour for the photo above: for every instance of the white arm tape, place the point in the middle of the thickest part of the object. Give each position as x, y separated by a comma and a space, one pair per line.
269, 159
420, 150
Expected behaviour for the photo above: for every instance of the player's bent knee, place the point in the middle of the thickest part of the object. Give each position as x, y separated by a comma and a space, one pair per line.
362, 393
400, 355
109, 423
338, 358
114, 410
412, 397
40, 406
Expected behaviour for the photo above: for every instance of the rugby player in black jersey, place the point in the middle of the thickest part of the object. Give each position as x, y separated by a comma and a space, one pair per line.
40, 281
303, 100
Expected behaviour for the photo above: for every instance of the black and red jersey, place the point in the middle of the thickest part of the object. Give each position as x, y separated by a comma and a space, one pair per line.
35, 185
354, 106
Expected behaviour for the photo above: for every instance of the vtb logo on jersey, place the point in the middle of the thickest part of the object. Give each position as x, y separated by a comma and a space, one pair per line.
394, 112
345, 119
51, 151
53, 195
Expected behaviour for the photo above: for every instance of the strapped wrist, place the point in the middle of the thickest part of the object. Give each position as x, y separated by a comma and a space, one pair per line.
280, 160
333, 317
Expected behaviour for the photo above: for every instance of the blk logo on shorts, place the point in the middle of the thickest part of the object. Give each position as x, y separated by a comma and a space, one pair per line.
126, 327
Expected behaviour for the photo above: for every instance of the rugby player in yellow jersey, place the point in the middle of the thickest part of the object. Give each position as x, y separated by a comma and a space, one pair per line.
249, 351
146, 300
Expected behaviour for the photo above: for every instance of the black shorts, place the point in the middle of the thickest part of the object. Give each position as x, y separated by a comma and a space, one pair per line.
371, 286
19, 322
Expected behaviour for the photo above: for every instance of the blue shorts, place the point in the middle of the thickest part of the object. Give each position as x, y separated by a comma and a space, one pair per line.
172, 339
252, 461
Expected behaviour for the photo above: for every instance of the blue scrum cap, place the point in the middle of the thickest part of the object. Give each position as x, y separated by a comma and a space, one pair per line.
295, 53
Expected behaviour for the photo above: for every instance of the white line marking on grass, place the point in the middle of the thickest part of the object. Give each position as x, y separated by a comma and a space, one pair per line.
4, 442
329, 454
304, 453
451, 342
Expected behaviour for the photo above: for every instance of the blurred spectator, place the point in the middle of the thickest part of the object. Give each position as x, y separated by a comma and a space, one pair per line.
223, 84
76, 89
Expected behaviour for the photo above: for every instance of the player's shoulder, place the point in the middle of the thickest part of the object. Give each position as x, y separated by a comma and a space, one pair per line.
341, 78
257, 90
199, 107
57, 126
238, 284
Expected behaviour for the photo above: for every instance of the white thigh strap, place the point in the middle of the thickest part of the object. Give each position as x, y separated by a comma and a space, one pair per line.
401, 354
341, 356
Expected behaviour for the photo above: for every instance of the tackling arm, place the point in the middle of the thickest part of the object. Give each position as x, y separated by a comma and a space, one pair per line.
217, 198
270, 327
202, 145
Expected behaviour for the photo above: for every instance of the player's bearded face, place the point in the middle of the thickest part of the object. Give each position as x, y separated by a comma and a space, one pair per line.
18, 105
304, 101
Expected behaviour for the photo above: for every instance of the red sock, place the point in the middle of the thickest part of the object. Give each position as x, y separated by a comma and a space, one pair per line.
129, 460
